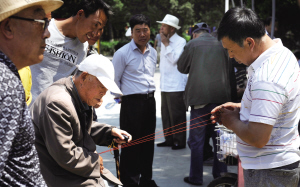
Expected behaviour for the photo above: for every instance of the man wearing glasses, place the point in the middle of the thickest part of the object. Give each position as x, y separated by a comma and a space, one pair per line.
68, 44
23, 30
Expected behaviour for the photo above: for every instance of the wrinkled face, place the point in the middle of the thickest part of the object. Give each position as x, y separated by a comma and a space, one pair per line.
241, 54
92, 90
166, 29
91, 28
141, 34
29, 36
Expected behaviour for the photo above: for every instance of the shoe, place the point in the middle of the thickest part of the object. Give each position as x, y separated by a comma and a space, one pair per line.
176, 147
187, 180
164, 144
208, 162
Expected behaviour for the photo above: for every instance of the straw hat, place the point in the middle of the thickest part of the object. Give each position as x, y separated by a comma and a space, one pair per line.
170, 20
11, 7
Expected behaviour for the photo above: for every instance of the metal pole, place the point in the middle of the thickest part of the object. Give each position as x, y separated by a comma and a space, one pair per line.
242, 4
253, 5
273, 18
233, 4
226, 5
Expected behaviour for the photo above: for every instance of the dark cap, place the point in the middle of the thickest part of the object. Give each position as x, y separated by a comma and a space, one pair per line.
201, 26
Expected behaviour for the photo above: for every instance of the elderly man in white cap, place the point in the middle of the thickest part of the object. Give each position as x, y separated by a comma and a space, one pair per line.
66, 135
172, 83
23, 30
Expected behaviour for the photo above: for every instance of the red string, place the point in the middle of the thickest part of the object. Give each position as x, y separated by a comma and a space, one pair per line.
175, 131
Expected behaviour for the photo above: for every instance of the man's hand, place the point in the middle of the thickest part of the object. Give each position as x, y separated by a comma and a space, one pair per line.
229, 117
119, 134
165, 39
216, 113
101, 164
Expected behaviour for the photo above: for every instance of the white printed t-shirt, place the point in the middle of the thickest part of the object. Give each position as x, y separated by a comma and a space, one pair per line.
272, 97
61, 56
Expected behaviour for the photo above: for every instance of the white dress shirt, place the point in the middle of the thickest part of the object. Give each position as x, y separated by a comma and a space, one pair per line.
171, 80
134, 71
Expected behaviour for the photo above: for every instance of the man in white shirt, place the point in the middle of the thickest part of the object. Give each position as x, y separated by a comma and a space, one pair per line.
68, 44
266, 121
172, 84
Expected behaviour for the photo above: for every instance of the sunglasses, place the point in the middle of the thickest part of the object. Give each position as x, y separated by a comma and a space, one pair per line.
44, 21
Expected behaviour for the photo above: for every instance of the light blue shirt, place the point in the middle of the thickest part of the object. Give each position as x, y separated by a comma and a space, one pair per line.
134, 71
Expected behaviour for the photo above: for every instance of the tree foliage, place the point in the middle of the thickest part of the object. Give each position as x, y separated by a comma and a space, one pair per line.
190, 12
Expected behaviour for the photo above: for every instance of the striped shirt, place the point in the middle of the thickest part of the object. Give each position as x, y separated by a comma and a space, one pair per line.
272, 97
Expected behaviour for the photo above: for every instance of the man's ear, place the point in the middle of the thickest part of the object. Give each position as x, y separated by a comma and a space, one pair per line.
80, 14
6, 28
250, 43
83, 76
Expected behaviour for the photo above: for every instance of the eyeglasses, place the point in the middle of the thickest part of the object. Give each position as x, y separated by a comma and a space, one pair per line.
44, 21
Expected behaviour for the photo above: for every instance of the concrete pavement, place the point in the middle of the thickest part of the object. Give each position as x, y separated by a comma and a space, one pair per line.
169, 166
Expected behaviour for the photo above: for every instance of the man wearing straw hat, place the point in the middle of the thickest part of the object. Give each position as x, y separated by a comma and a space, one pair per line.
172, 83
66, 135
23, 30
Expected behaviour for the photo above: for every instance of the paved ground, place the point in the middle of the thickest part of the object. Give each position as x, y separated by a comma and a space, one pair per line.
170, 166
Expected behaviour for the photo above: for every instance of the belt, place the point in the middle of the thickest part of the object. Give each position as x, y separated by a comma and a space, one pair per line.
142, 96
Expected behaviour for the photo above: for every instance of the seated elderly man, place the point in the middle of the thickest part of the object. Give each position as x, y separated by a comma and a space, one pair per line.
66, 135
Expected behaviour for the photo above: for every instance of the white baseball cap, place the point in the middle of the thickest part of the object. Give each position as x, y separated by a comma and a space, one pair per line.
170, 20
102, 68
11, 7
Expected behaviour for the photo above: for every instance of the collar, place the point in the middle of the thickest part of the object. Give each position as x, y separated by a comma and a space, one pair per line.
174, 37
134, 47
5, 60
72, 88
265, 55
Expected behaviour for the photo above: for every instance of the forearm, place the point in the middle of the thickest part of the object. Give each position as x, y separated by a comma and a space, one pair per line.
254, 134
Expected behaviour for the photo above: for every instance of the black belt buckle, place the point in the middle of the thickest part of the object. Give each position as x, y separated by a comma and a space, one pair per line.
149, 95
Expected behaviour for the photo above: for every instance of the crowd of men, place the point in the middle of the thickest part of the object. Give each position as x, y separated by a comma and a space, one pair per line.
53, 143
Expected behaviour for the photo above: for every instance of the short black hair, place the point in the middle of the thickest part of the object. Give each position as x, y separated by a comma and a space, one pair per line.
139, 19
239, 23
91, 6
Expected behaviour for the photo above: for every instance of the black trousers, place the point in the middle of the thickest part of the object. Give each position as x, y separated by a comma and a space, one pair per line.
173, 112
137, 117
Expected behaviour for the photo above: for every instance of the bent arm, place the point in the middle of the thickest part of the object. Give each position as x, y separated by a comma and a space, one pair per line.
60, 121
254, 134
172, 54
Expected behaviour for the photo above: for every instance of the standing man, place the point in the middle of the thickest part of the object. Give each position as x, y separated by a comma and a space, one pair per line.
206, 62
66, 135
135, 67
68, 44
23, 31
266, 122
172, 84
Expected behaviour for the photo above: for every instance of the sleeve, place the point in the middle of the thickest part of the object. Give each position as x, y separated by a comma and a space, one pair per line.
119, 66
184, 61
57, 133
101, 133
11, 112
267, 102
173, 53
